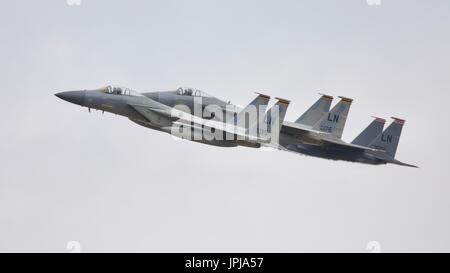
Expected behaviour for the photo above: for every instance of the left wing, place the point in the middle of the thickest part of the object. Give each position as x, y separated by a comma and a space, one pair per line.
153, 115
342, 144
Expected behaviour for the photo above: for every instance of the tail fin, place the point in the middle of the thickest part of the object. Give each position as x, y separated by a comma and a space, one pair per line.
388, 140
370, 133
334, 122
274, 117
252, 111
283, 104
316, 111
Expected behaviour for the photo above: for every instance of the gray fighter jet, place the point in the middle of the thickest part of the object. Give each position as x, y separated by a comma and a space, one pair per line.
323, 139
191, 114
186, 113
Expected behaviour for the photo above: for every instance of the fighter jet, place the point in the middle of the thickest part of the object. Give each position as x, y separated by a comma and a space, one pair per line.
191, 114
323, 139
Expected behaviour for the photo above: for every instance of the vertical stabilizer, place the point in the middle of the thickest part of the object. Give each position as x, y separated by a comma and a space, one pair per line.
334, 122
274, 117
320, 108
389, 139
370, 133
250, 114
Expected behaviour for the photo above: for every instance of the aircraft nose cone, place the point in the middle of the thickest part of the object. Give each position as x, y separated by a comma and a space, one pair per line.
76, 97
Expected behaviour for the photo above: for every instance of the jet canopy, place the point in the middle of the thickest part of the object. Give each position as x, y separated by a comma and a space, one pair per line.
119, 90
187, 91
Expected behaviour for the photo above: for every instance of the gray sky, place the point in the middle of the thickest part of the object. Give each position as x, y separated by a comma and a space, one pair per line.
112, 185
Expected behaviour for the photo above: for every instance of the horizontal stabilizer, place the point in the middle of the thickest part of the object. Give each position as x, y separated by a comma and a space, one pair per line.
396, 162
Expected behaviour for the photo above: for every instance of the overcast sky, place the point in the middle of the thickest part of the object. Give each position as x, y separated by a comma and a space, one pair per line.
67, 175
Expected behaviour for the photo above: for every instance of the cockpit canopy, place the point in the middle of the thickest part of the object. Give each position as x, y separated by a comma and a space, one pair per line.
119, 90
187, 91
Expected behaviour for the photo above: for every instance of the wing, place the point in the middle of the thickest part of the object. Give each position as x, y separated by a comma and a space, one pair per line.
154, 115
298, 130
167, 116
338, 143
189, 121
